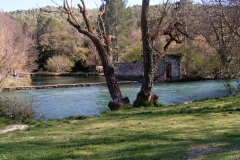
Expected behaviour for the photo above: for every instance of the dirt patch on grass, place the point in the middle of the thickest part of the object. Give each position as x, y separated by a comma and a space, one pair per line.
74, 121
11, 128
202, 150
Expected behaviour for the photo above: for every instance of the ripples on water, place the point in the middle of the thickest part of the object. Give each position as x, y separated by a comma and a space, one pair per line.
60, 103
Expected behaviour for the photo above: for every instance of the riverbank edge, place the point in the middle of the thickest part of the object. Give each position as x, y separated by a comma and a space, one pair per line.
190, 132
52, 74
62, 86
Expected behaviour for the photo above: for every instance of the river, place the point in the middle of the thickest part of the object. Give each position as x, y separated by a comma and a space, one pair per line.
60, 103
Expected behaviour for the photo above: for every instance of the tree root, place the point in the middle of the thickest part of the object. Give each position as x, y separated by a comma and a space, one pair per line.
118, 103
149, 97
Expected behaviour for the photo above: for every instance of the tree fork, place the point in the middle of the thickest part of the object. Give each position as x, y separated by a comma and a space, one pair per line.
103, 45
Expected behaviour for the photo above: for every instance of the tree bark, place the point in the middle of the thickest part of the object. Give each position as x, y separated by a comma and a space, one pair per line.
103, 45
109, 73
146, 89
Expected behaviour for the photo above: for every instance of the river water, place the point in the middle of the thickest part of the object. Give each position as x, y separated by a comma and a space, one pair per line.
60, 103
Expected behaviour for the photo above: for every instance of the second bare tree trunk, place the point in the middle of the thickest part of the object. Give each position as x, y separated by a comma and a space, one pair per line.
148, 62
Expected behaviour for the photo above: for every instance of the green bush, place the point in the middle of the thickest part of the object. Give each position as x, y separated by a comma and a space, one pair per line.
133, 54
80, 65
126, 107
21, 111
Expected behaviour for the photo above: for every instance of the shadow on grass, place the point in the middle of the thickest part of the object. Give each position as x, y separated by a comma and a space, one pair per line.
138, 143
229, 108
124, 145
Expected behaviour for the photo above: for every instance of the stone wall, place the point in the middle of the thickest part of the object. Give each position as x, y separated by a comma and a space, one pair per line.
176, 69
130, 71
168, 69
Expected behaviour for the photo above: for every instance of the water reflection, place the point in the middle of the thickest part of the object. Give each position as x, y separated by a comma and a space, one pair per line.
63, 102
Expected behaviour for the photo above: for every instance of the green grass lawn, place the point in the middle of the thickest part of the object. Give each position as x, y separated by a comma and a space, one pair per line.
207, 129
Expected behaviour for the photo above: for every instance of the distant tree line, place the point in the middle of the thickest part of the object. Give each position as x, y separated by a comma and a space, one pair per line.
204, 36
211, 51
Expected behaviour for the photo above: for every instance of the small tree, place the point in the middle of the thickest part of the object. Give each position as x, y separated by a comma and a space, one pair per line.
14, 46
117, 22
59, 64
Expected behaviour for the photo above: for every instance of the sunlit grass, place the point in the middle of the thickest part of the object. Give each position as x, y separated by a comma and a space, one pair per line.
14, 82
208, 129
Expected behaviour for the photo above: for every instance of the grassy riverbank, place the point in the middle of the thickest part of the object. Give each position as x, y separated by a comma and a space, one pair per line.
208, 129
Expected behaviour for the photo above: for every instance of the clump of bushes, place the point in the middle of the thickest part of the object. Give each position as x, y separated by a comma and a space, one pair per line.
59, 64
20, 111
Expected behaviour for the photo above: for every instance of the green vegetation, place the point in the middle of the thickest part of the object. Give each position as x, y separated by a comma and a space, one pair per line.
212, 51
14, 50
117, 21
206, 129
59, 64
19, 111
11, 81
134, 54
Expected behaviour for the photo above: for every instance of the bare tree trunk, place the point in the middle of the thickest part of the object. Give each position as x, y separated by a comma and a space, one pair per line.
146, 89
108, 69
103, 45
151, 55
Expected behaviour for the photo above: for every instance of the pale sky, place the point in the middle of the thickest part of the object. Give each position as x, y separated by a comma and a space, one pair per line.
13, 5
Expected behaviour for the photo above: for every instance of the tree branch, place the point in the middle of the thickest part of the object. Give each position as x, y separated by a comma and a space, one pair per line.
164, 13
101, 20
84, 12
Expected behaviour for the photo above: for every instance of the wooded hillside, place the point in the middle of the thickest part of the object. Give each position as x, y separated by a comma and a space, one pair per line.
211, 51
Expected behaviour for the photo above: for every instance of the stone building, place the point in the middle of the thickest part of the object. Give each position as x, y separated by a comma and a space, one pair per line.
168, 69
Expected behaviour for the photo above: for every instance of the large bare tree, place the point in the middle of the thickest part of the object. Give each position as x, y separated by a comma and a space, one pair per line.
172, 31
151, 55
103, 44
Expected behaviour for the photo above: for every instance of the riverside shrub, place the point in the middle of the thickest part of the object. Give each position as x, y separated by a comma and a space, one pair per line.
17, 110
